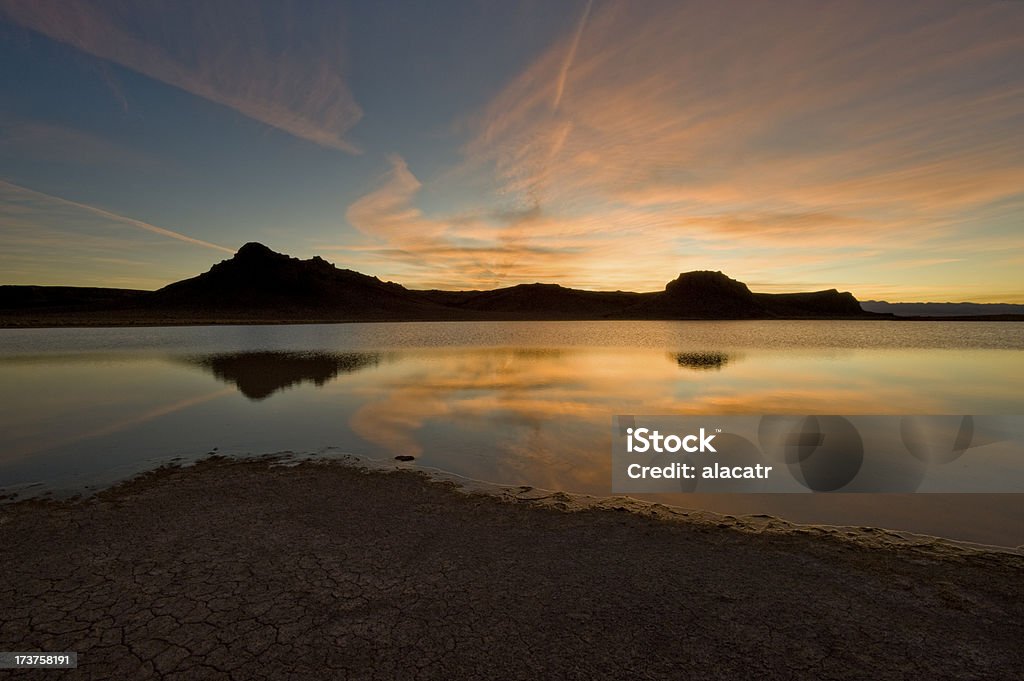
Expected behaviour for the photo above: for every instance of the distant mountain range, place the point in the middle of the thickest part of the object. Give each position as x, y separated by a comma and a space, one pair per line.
942, 309
260, 285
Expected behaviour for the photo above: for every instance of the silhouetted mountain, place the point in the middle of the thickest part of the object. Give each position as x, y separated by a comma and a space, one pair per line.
703, 295
258, 280
830, 303
260, 285
258, 375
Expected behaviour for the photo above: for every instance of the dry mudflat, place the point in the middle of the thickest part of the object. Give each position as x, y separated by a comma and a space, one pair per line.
229, 570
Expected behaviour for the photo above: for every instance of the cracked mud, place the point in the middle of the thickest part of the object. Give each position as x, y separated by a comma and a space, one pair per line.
247, 571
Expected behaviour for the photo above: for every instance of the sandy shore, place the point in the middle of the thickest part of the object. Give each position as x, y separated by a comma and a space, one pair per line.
247, 571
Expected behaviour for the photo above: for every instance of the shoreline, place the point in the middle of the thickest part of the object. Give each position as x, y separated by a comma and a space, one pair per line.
252, 569
562, 500
575, 502
160, 323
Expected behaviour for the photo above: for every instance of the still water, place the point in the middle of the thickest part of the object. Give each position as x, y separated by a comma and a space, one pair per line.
514, 403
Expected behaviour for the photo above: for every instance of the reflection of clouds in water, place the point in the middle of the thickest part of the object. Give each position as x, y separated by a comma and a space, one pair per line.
547, 415
553, 458
392, 423
787, 399
536, 416
509, 388
430, 385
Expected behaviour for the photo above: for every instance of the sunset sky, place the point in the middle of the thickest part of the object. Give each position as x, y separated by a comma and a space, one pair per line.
875, 147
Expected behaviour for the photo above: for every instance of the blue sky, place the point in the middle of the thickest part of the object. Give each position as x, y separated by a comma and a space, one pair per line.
871, 146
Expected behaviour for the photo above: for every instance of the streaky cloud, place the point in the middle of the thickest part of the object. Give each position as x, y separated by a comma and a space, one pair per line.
235, 55
702, 103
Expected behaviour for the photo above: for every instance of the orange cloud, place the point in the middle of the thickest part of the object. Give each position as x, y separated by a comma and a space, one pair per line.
388, 211
473, 250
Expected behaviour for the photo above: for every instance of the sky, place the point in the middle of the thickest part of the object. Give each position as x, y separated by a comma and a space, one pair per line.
871, 146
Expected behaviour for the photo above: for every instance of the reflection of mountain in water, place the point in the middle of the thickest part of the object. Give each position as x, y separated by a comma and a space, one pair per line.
702, 361
537, 353
257, 375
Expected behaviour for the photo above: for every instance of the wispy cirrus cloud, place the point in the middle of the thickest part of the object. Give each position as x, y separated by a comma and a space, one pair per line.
273, 63
740, 104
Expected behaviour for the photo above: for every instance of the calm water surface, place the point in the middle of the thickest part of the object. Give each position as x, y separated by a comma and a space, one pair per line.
514, 403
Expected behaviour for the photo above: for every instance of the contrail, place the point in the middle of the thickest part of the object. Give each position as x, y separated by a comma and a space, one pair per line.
571, 55
114, 216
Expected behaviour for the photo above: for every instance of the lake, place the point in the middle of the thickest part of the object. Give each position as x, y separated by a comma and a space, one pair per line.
524, 403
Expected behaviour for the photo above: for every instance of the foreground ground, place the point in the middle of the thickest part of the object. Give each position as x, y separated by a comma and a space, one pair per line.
246, 571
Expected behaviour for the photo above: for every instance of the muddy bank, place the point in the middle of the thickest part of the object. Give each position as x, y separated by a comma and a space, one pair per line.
230, 570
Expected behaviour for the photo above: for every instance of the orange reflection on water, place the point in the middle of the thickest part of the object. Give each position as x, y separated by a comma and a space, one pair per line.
512, 415
546, 415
